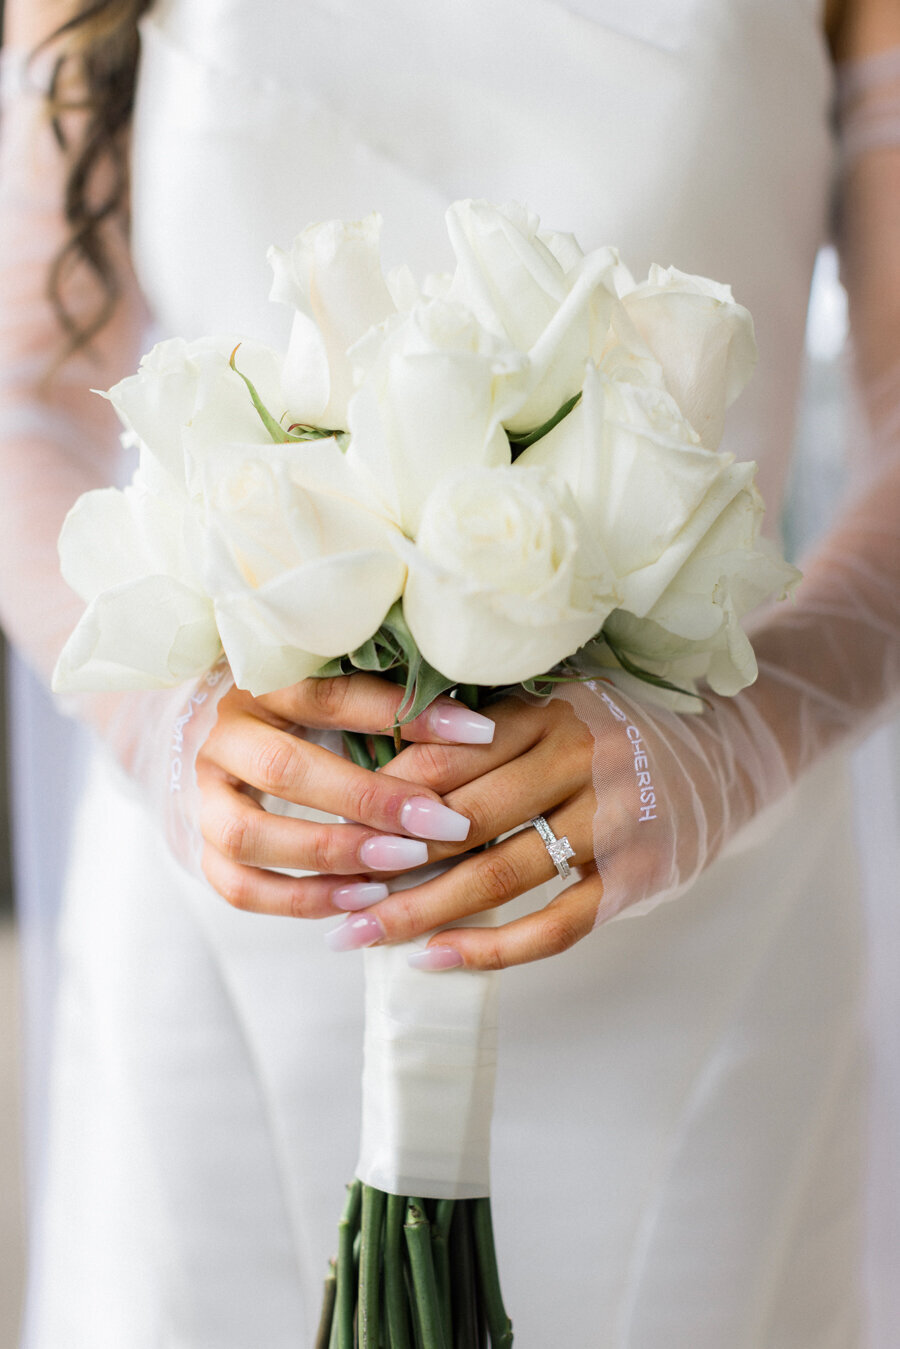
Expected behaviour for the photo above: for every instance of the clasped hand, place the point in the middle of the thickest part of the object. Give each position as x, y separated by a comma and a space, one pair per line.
463, 781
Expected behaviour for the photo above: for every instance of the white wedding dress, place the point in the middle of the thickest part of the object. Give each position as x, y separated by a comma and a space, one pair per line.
677, 1142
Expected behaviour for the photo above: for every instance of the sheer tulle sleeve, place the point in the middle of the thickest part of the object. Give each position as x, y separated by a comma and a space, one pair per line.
673, 790
57, 440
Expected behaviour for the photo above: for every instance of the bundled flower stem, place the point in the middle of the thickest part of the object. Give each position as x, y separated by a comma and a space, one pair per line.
413, 1274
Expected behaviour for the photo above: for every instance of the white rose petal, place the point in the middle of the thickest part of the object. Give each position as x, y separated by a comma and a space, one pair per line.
333, 278
536, 290
111, 537
694, 629
702, 339
640, 478
433, 392
300, 568
150, 633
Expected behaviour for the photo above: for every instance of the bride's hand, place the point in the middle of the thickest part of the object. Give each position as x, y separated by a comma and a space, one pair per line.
254, 750
653, 794
539, 763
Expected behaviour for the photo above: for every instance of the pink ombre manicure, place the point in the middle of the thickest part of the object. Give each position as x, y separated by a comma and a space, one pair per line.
455, 722
359, 895
390, 852
430, 819
435, 958
353, 933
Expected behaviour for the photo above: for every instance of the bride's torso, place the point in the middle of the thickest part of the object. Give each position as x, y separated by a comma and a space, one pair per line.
686, 132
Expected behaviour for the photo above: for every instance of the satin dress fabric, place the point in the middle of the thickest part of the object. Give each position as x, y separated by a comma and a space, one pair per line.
677, 1153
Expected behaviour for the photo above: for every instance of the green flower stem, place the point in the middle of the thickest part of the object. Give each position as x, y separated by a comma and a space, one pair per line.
463, 1290
373, 1207
499, 1323
440, 1248
469, 695
323, 1334
384, 749
346, 1281
427, 1307
333, 1338
357, 749
394, 1280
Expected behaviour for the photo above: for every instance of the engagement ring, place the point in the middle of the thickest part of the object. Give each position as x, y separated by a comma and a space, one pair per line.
559, 848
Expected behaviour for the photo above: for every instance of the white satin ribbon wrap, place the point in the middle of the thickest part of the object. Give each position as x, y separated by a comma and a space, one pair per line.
428, 1076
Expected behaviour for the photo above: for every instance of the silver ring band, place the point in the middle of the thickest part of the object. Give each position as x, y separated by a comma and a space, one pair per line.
560, 849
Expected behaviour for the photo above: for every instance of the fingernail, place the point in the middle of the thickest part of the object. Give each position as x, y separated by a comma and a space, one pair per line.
389, 852
353, 933
454, 721
435, 958
429, 819
359, 895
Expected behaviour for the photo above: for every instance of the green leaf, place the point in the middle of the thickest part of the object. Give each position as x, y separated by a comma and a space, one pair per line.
274, 427
647, 677
395, 624
520, 440
368, 656
332, 669
393, 648
429, 684
295, 433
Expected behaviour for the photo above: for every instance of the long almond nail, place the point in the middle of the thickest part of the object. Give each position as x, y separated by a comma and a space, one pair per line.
353, 933
455, 722
390, 852
435, 958
359, 895
430, 819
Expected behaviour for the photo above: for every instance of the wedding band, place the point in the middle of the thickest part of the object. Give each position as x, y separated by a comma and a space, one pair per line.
560, 849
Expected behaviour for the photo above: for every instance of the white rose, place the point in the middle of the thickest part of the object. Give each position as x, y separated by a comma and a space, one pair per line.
299, 567
702, 339
434, 388
640, 476
333, 279
273, 545
538, 291
694, 630
132, 556
504, 578
136, 556
680, 525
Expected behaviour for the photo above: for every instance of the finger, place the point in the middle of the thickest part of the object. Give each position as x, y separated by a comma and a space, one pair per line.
568, 917
537, 782
519, 726
370, 705
269, 892
280, 764
484, 881
239, 828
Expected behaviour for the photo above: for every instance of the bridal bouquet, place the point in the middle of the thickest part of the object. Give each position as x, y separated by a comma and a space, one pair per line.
498, 478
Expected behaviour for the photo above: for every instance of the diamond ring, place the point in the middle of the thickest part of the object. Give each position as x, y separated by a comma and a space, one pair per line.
560, 849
